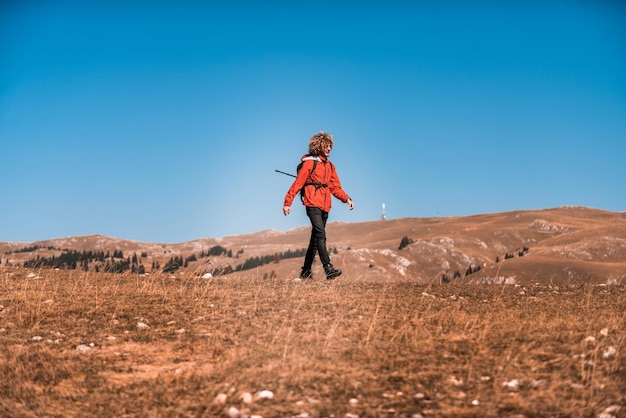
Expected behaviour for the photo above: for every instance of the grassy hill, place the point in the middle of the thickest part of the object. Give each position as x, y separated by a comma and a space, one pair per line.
388, 338
561, 245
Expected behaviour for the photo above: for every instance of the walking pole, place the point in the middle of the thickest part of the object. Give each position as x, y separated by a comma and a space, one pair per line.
282, 172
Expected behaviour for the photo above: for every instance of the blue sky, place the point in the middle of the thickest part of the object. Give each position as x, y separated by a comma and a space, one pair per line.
164, 121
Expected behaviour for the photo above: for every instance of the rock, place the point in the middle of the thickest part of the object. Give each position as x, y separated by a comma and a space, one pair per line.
455, 381
220, 399
233, 412
609, 353
609, 412
83, 348
265, 394
512, 384
246, 397
590, 340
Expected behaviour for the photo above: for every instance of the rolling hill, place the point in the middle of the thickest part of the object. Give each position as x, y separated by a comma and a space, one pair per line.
559, 245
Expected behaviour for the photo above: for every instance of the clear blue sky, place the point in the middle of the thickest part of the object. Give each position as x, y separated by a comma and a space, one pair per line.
164, 121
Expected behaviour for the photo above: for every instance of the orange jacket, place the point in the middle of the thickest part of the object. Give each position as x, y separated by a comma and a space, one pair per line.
325, 173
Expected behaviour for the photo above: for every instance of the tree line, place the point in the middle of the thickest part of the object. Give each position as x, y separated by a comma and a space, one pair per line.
99, 260
116, 262
254, 262
33, 248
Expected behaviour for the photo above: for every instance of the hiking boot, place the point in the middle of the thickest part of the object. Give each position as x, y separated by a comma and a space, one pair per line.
331, 272
306, 274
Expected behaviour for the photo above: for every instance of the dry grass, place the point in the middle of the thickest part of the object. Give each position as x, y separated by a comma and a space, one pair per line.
70, 346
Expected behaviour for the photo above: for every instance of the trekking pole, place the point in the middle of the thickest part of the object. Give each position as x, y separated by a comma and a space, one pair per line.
282, 172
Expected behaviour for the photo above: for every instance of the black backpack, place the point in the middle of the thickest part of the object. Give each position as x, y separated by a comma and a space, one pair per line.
309, 182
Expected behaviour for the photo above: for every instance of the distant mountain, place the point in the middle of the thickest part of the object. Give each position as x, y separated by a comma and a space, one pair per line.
561, 245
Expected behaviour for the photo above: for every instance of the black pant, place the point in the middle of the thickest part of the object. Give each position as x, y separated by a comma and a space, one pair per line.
318, 237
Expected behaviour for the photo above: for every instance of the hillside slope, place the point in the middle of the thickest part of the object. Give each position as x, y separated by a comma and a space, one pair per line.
560, 245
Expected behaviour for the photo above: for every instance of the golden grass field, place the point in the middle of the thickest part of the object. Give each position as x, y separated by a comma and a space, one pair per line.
76, 344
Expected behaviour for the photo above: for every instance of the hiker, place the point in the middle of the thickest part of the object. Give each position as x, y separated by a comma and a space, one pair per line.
316, 180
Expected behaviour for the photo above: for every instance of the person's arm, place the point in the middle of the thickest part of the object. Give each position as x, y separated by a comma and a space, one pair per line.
337, 190
297, 185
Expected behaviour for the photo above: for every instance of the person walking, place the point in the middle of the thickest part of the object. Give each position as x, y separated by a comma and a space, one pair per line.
316, 181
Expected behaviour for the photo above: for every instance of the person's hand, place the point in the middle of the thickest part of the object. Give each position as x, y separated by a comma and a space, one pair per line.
351, 204
286, 210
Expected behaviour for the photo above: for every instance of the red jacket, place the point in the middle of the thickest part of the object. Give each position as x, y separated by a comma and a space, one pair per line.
325, 173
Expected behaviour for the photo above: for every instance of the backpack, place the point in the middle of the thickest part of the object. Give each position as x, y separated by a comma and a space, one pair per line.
309, 182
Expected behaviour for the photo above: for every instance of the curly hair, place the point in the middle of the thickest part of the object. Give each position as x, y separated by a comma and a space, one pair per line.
317, 141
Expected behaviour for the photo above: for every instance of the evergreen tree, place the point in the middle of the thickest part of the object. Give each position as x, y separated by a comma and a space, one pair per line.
172, 265
405, 242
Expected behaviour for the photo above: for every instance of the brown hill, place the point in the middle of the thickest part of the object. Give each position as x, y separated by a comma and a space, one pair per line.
561, 245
